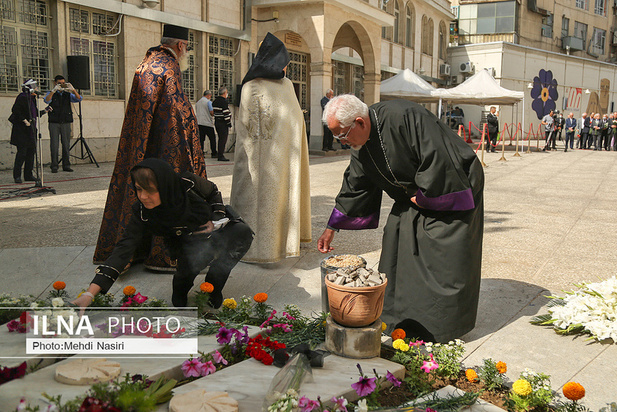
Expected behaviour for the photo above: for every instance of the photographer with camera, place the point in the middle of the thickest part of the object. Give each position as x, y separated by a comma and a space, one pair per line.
60, 119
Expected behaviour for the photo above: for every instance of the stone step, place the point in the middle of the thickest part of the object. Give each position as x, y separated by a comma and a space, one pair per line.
248, 381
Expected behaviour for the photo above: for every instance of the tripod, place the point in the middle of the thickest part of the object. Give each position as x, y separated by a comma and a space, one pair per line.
82, 141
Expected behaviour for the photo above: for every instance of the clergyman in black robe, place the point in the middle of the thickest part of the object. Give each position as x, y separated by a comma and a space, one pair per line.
432, 242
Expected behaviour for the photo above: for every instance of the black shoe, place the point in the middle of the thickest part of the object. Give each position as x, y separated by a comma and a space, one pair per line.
223, 159
30, 179
54, 170
216, 299
414, 329
565, 150
18, 180
67, 169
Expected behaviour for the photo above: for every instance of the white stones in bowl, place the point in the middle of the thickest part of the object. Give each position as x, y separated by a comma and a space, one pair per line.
360, 277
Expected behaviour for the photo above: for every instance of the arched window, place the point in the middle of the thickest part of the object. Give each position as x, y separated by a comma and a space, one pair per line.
397, 19
386, 32
425, 32
430, 37
408, 26
442, 41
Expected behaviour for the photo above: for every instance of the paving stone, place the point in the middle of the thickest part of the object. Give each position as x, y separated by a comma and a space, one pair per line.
480, 406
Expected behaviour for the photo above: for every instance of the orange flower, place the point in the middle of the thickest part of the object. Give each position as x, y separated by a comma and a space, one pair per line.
573, 391
129, 290
206, 287
471, 375
261, 297
59, 285
501, 367
398, 334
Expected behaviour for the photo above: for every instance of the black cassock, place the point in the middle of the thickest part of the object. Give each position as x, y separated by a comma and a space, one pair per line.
432, 254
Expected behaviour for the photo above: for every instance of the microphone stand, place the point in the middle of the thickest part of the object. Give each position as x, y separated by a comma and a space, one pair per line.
38, 184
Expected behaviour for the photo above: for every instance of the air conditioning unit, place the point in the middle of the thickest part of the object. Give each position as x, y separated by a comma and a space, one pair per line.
444, 69
455, 80
466, 67
574, 43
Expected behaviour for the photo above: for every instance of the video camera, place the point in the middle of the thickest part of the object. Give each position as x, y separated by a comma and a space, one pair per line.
31, 86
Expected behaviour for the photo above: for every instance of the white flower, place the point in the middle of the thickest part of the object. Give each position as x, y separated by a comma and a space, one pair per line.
56, 302
34, 305
362, 407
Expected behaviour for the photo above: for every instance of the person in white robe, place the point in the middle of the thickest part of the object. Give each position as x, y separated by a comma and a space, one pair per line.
270, 187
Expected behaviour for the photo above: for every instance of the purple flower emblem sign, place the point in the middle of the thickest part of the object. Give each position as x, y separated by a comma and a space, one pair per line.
544, 93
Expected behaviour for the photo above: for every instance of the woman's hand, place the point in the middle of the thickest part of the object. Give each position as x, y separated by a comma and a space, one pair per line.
206, 228
323, 244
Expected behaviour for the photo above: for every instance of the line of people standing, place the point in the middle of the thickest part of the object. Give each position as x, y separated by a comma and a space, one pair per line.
598, 131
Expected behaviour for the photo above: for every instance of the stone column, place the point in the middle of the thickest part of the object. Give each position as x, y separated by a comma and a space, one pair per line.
372, 81
321, 80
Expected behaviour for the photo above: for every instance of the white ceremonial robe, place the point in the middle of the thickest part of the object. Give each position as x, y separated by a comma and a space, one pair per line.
270, 187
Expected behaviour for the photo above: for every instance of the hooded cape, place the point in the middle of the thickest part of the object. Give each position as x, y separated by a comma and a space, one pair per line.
272, 57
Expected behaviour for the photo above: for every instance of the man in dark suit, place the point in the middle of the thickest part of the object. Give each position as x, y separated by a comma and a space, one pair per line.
585, 123
326, 145
493, 128
570, 125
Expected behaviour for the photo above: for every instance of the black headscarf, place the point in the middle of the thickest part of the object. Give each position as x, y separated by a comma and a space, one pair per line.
178, 208
272, 57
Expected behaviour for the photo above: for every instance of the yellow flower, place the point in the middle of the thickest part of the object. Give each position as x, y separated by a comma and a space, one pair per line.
59, 285
383, 326
129, 290
573, 391
521, 387
471, 375
230, 303
501, 367
260, 297
400, 345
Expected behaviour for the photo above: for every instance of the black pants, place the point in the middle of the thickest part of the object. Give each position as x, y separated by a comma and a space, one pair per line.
221, 250
223, 131
328, 139
582, 140
207, 131
492, 141
25, 155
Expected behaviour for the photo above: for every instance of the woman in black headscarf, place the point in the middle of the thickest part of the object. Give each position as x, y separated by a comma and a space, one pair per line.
188, 212
270, 187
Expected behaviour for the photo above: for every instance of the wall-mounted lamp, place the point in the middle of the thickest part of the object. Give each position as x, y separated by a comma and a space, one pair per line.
151, 3
530, 86
587, 91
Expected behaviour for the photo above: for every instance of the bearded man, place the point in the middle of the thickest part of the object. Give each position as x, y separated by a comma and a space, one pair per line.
159, 122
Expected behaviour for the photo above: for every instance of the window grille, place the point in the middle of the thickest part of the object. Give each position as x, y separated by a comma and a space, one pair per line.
600, 7
90, 35
221, 64
582, 4
24, 44
297, 72
188, 76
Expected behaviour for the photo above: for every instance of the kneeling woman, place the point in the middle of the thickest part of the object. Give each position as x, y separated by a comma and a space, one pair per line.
189, 213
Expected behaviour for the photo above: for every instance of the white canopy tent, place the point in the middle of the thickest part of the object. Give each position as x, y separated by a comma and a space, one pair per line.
480, 89
407, 84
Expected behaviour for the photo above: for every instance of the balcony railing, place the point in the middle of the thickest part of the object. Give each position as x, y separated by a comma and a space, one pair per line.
487, 38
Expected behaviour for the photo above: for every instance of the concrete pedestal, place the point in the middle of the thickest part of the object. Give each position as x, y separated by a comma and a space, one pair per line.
356, 343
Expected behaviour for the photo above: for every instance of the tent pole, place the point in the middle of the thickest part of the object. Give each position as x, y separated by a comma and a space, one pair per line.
523, 125
439, 108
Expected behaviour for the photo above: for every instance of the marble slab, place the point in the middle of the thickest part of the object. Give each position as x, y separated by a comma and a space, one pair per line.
33, 385
248, 381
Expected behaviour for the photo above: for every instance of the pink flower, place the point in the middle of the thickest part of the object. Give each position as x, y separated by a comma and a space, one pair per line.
218, 358
431, 365
207, 368
288, 316
416, 343
364, 386
263, 325
139, 298
307, 405
430, 410
392, 379
192, 368
285, 326
340, 404
13, 325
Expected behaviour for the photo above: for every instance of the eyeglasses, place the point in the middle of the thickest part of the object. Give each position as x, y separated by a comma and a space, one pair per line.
188, 47
340, 136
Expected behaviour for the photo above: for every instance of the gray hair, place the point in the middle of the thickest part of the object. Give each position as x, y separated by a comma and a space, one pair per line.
222, 90
345, 109
169, 41
207, 92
